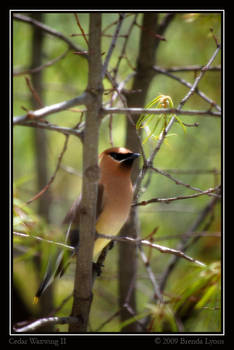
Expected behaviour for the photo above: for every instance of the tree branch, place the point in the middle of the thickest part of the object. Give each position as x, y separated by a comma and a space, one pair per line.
171, 199
122, 54
157, 292
194, 68
112, 45
197, 80
83, 99
45, 321
178, 182
162, 249
177, 111
53, 127
42, 239
48, 30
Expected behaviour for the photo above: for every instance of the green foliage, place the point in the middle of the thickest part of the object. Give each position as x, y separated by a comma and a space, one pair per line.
162, 120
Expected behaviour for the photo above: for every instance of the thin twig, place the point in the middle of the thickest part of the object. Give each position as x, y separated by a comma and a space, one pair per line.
197, 80
19, 72
53, 127
117, 92
34, 92
179, 182
193, 171
65, 300
151, 32
171, 199
191, 234
38, 238
38, 195
113, 23
157, 292
112, 45
109, 319
122, 54
81, 29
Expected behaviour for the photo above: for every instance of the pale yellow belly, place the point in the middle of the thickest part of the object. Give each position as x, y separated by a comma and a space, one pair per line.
108, 223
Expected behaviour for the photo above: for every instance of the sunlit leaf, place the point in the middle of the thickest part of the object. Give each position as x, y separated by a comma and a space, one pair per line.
159, 102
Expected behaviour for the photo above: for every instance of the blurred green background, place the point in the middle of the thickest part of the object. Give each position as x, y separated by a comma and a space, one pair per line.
188, 42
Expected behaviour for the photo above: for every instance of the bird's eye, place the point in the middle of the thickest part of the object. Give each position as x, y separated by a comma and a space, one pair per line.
114, 155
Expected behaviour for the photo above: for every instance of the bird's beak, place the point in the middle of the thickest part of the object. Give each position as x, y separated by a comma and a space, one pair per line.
134, 155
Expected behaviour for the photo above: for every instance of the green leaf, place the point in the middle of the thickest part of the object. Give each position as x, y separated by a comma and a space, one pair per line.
161, 101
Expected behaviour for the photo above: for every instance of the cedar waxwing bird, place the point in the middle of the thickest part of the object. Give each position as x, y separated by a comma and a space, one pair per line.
115, 194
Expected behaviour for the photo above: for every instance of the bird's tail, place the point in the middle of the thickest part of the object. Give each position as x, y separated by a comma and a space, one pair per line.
54, 270
58, 263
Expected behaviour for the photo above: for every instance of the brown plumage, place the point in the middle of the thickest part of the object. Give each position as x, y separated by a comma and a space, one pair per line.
114, 200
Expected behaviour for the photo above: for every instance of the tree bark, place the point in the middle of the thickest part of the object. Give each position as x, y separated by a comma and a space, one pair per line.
83, 276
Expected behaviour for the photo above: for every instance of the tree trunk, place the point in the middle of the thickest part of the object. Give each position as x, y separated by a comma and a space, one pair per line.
40, 138
83, 276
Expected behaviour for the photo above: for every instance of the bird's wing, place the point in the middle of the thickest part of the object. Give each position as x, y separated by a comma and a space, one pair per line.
73, 216
100, 200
